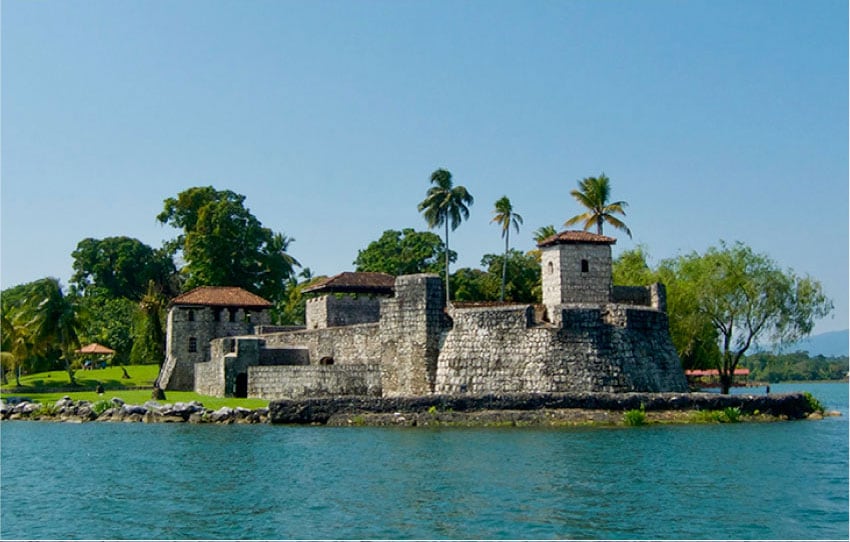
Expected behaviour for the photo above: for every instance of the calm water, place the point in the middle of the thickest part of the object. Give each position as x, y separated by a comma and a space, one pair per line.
779, 481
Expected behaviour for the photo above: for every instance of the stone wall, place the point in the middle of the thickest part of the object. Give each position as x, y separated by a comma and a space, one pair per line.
344, 345
576, 273
654, 295
314, 381
411, 329
342, 310
602, 349
189, 331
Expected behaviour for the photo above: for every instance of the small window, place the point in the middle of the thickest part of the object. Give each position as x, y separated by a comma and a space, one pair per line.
585, 267
551, 268
193, 344
191, 315
232, 315
217, 315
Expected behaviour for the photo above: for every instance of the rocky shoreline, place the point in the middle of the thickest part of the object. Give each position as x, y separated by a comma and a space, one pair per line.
462, 410
116, 410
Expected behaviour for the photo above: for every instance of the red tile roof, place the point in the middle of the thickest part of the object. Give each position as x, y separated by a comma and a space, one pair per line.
573, 237
220, 296
351, 282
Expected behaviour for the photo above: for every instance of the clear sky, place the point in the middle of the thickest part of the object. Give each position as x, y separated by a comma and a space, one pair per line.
713, 119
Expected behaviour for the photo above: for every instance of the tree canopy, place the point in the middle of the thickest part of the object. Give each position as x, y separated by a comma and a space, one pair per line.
223, 244
722, 302
593, 194
505, 217
445, 205
122, 267
404, 252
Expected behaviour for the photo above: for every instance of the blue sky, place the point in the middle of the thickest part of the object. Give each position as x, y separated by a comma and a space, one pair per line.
714, 120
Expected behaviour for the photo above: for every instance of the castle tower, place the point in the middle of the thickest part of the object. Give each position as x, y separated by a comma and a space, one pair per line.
197, 317
576, 268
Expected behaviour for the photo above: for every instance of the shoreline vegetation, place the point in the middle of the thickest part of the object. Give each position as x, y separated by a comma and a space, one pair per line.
502, 410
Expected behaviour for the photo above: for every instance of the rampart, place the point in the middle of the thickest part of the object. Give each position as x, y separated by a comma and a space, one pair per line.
271, 382
602, 349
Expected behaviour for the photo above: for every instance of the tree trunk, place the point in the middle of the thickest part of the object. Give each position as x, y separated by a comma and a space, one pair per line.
505, 265
447, 264
725, 383
70, 372
599, 225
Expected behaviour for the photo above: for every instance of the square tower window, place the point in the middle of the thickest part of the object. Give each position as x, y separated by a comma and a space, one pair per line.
191, 315
232, 315
585, 266
193, 344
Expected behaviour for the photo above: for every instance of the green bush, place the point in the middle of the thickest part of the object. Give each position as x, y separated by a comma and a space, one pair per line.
814, 404
99, 407
46, 409
635, 417
732, 414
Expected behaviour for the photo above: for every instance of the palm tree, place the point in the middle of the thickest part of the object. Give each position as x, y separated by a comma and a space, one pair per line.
544, 232
504, 216
593, 194
446, 205
53, 320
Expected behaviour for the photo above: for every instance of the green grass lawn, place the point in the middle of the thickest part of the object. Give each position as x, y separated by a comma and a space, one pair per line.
111, 377
34, 387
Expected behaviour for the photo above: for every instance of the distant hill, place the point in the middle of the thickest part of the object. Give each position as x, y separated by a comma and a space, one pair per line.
833, 343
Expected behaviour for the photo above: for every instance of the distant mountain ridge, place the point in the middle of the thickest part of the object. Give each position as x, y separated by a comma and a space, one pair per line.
829, 344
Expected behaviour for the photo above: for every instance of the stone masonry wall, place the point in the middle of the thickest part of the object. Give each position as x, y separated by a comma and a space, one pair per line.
565, 279
192, 328
345, 345
412, 325
333, 311
314, 381
610, 348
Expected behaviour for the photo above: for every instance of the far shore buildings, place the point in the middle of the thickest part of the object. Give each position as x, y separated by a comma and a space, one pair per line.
377, 335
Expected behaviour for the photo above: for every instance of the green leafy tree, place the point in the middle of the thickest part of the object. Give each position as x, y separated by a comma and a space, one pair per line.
523, 285
121, 267
292, 309
107, 320
593, 194
471, 284
747, 297
223, 244
404, 253
148, 335
53, 321
445, 205
505, 217
692, 333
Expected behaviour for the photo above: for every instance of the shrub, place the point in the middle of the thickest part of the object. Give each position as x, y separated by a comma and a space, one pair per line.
46, 409
635, 417
814, 404
99, 407
732, 414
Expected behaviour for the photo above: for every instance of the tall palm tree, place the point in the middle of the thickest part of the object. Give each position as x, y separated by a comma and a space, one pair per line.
594, 194
504, 216
544, 232
445, 205
53, 320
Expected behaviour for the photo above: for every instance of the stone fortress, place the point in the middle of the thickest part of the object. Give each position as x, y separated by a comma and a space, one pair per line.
371, 334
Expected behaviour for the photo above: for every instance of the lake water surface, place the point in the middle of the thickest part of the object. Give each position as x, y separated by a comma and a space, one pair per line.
781, 480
